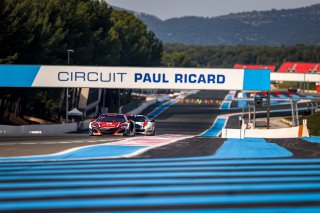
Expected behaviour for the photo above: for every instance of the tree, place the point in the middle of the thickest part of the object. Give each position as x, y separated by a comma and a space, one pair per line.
138, 46
40, 32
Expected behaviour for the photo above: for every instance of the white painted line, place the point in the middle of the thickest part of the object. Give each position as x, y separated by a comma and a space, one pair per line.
11, 144
35, 132
138, 152
59, 153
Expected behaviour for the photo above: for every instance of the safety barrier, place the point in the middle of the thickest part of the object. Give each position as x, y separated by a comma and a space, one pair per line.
293, 132
60, 128
39, 129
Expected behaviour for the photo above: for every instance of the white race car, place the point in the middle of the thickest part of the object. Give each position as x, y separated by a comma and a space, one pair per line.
143, 124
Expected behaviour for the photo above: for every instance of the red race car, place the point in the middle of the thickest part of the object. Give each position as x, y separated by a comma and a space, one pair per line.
114, 124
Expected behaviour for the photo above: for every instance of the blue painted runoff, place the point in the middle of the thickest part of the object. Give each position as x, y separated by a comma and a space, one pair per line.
278, 102
225, 105
161, 201
152, 175
136, 190
161, 108
97, 169
295, 96
86, 152
273, 102
243, 103
295, 209
215, 129
282, 96
250, 148
310, 97
314, 139
18, 75
187, 161
156, 181
229, 98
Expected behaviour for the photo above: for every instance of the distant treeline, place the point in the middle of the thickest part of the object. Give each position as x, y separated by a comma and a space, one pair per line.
177, 55
41, 32
272, 27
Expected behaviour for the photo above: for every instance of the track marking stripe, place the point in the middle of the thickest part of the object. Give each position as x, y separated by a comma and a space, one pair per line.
161, 201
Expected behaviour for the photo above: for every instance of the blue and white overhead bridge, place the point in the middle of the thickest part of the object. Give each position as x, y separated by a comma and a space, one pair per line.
133, 77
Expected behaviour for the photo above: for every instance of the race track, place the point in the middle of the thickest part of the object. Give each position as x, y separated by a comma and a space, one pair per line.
174, 171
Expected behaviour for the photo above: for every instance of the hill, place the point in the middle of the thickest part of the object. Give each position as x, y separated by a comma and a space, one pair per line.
274, 27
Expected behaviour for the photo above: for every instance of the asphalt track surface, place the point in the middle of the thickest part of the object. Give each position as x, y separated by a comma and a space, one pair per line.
191, 175
189, 119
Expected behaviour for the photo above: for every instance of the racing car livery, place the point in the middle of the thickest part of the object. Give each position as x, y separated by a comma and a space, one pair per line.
143, 124
114, 124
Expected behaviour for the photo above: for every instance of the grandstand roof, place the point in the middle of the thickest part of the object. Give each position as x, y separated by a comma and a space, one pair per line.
254, 66
300, 67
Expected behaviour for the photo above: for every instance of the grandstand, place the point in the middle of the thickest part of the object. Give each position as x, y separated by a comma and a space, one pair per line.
252, 66
299, 67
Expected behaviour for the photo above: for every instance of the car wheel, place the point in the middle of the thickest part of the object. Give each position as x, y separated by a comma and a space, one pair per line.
153, 133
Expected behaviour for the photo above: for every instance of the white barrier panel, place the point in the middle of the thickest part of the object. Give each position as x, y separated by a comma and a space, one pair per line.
272, 133
295, 77
232, 133
133, 77
38, 129
292, 132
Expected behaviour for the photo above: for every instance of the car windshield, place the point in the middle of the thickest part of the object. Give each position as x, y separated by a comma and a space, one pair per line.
140, 119
110, 118
130, 117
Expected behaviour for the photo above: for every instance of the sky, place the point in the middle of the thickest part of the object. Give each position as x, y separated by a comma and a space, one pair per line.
165, 9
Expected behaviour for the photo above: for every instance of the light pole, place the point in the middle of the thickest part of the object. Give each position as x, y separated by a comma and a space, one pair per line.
69, 51
67, 90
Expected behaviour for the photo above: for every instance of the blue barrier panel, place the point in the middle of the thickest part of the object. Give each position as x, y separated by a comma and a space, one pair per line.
18, 76
256, 79
133, 77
